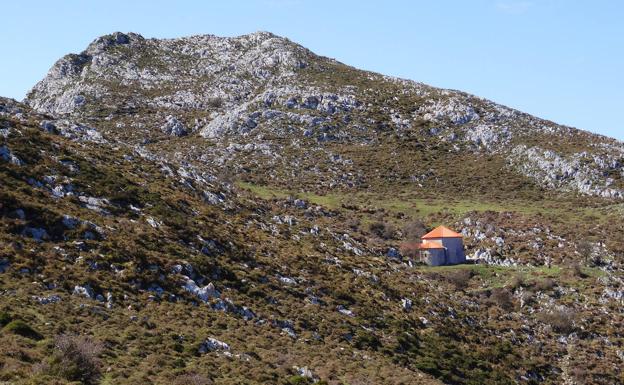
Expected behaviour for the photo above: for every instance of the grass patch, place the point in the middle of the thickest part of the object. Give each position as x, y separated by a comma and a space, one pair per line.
414, 205
21, 328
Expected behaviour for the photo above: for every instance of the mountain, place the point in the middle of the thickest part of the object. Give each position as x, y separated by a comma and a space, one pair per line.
251, 89
239, 210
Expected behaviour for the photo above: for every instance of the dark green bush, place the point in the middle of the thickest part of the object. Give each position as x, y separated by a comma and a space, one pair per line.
377, 228
414, 230
502, 298
192, 379
545, 284
366, 340
5, 318
574, 270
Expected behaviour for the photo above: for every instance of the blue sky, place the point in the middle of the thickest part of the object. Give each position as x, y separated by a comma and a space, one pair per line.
558, 59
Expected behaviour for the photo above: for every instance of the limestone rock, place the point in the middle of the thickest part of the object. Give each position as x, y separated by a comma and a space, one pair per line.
173, 127
213, 345
204, 293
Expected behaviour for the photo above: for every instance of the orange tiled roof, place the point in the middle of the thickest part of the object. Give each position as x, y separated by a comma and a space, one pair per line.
430, 245
435, 244
441, 232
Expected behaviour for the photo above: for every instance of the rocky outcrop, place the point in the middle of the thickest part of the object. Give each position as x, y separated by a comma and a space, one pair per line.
582, 172
213, 345
204, 293
173, 127
8, 156
84, 291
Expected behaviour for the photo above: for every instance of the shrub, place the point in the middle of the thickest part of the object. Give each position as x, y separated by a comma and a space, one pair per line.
545, 284
299, 380
353, 223
389, 232
574, 270
580, 374
23, 329
516, 281
5, 318
562, 321
192, 379
409, 250
366, 340
76, 358
585, 249
460, 278
377, 228
215, 102
528, 297
502, 298
414, 230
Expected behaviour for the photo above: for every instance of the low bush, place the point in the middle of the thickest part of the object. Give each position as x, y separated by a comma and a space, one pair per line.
353, 223
528, 297
299, 380
410, 250
192, 379
366, 340
562, 321
414, 230
460, 278
516, 281
215, 102
585, 249
574, 270
377, 228
76, 358
502, 298
545, 284
5, 318
389, 232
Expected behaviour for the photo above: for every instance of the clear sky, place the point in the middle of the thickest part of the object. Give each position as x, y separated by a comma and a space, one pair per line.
558, 59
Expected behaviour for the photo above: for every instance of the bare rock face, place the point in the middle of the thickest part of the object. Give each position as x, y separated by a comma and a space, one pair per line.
582, 172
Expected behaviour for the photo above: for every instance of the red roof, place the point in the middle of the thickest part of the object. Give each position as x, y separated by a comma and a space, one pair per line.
430, 245
441, 232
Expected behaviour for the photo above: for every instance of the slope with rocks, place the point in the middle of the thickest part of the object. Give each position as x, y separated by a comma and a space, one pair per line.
263, 110
231, 210
159, 261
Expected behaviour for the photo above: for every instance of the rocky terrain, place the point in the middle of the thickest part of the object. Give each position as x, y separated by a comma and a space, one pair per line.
239, 210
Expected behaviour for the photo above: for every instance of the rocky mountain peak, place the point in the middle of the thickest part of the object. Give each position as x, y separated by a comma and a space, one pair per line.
122, 67
244, 90
102, 43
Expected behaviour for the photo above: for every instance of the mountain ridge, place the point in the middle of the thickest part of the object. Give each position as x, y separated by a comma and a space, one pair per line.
105, 41
245, 86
